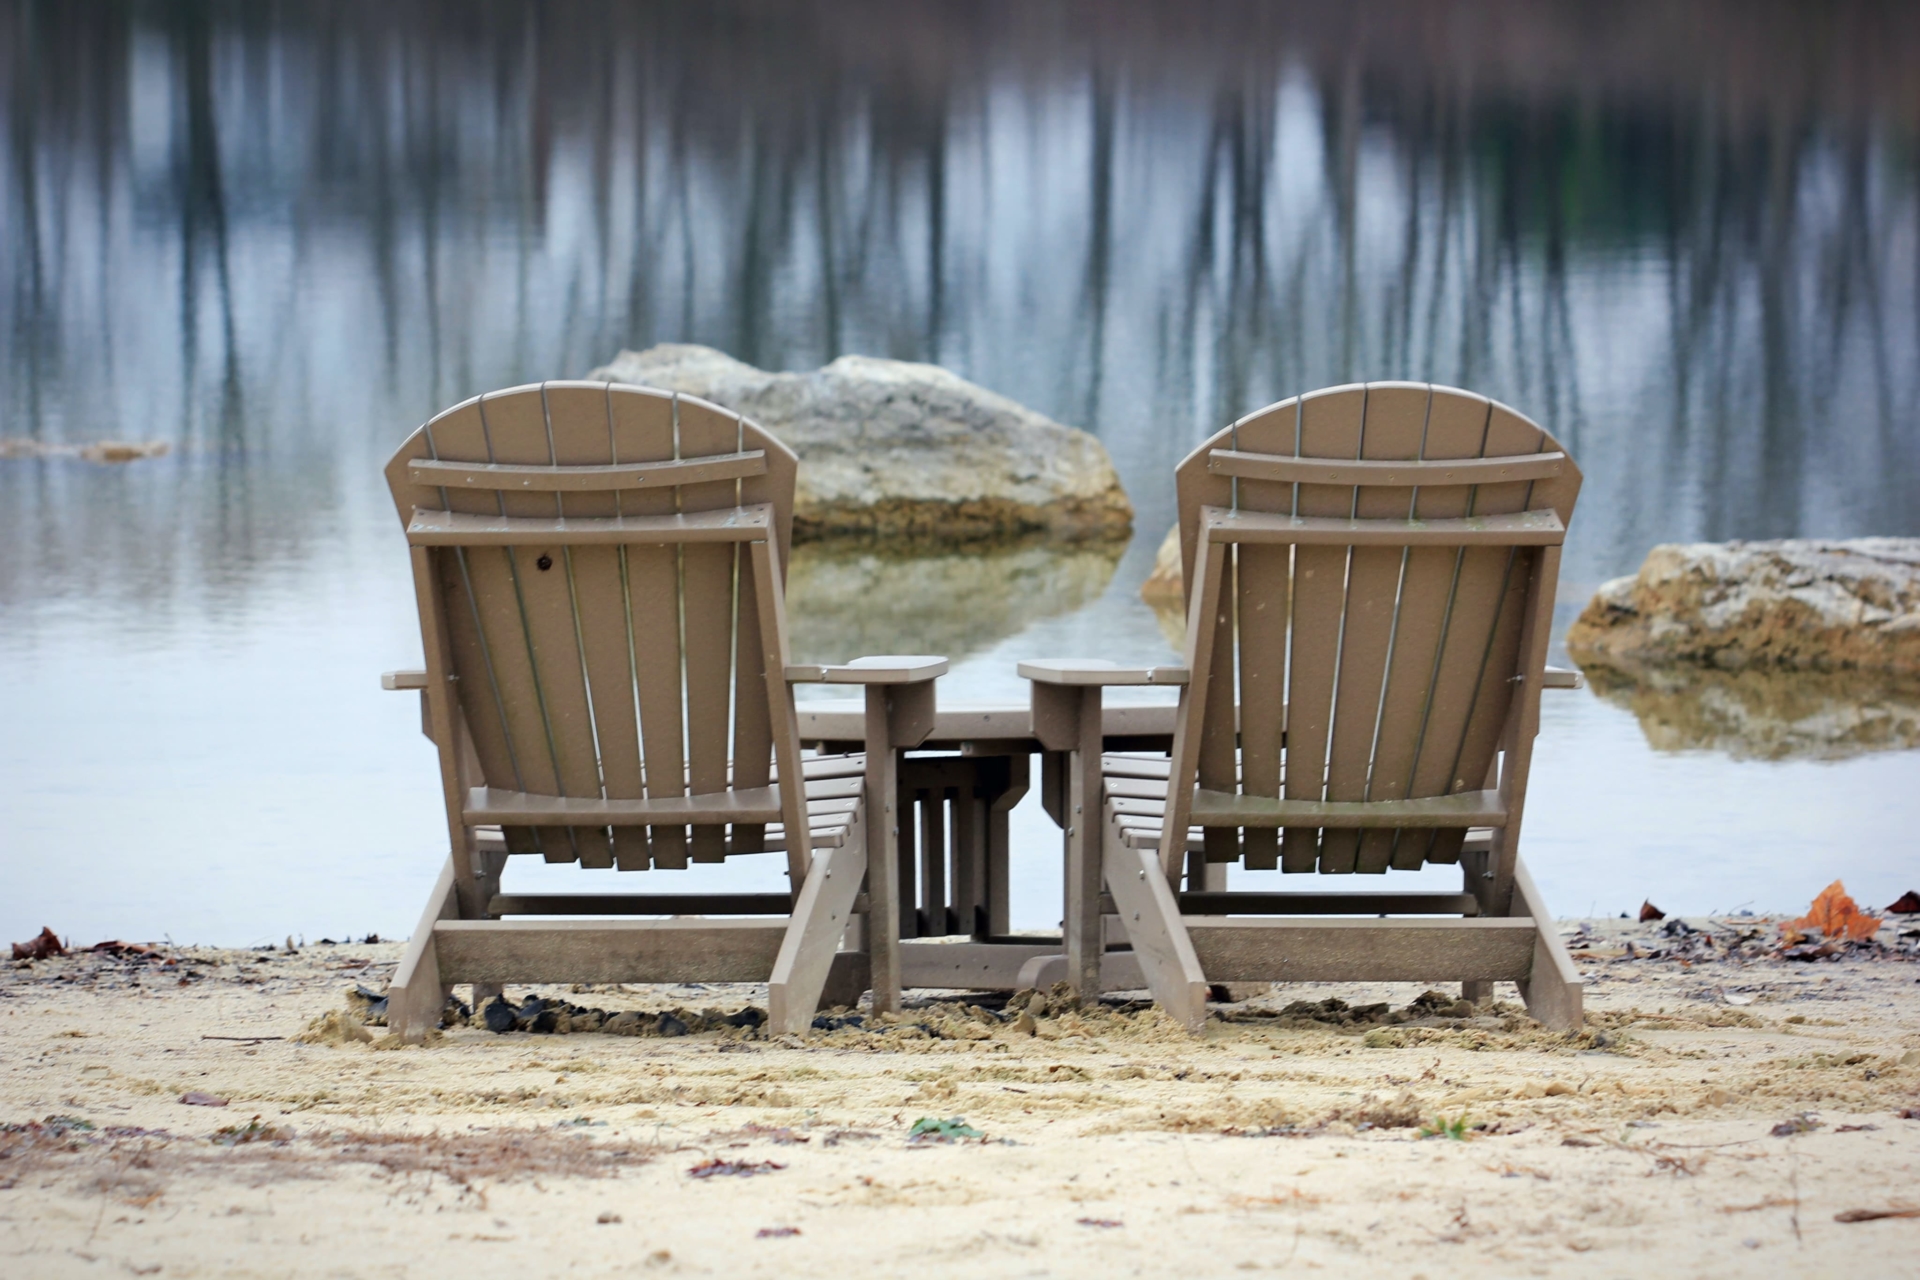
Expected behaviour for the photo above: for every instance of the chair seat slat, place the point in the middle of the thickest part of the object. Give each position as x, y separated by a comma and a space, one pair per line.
520, 808
1467, 809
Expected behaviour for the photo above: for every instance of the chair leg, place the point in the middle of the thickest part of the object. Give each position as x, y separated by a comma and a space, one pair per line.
416, 995
813, 935
1151, 917
1554, 991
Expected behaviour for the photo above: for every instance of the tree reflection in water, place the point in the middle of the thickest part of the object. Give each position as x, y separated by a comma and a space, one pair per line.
1684, 237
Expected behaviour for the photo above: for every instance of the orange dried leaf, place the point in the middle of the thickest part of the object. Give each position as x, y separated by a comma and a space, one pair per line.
1836, 915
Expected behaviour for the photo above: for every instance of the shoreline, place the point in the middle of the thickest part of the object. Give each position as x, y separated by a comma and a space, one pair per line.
1276, 1139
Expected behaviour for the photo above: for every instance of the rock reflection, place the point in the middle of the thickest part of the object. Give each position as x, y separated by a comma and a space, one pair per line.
845, 600
1171, 614
1766, 714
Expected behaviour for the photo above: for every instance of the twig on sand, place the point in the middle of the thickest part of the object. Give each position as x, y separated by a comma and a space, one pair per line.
247, 1039
1871, 1215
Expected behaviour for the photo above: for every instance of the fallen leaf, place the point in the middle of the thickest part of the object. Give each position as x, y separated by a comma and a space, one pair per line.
39, 948
1835, 915
1907, 904
197, 1099
1649, 912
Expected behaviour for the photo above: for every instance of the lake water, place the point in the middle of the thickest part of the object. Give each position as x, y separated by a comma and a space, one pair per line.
1684, 237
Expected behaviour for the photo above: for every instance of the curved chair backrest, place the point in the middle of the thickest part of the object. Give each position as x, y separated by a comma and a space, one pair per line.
1370, 573
599, 569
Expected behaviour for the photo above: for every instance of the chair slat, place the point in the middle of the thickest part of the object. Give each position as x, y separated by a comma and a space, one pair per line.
1456, 428
1492, 688
757, 804
752, 724
583, 427
1395, 423
642, 430
1330, 425
580, 477
517, 432
1263, 604
1264, 596
1479, 587
453, 529
1466, 809
707, 581
1244, 465
653, 579
581, 431
1527, 528
487, 580
457, 430
753, 746
1492, 694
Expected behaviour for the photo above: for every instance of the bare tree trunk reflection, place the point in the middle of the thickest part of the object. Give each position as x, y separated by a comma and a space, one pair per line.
1683, 237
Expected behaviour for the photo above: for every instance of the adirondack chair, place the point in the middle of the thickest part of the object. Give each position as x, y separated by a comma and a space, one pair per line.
599, 573
1370, 574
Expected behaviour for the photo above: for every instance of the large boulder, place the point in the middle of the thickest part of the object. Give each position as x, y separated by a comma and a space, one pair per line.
1805, 604
891, 448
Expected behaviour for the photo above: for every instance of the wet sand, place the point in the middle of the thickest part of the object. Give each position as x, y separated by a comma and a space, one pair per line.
1112, 1143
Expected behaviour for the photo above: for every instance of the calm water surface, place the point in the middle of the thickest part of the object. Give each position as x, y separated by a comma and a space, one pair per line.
277, 236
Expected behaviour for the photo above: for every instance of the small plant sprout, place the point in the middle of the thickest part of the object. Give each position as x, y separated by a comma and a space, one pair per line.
1441, 1127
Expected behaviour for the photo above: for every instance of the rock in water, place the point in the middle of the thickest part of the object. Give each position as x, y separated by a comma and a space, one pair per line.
892, 448
1805, 604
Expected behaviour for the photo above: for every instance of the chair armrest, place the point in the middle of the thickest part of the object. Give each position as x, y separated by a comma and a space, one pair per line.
899, 693
402, 680
887, 669
1097, 671
1561, 678
1067, 692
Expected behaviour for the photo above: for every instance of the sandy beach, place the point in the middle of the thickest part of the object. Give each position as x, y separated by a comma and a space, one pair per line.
1719, 1109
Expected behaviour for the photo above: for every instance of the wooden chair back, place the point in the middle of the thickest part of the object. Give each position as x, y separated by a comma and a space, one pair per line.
599, 569
1370, 573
